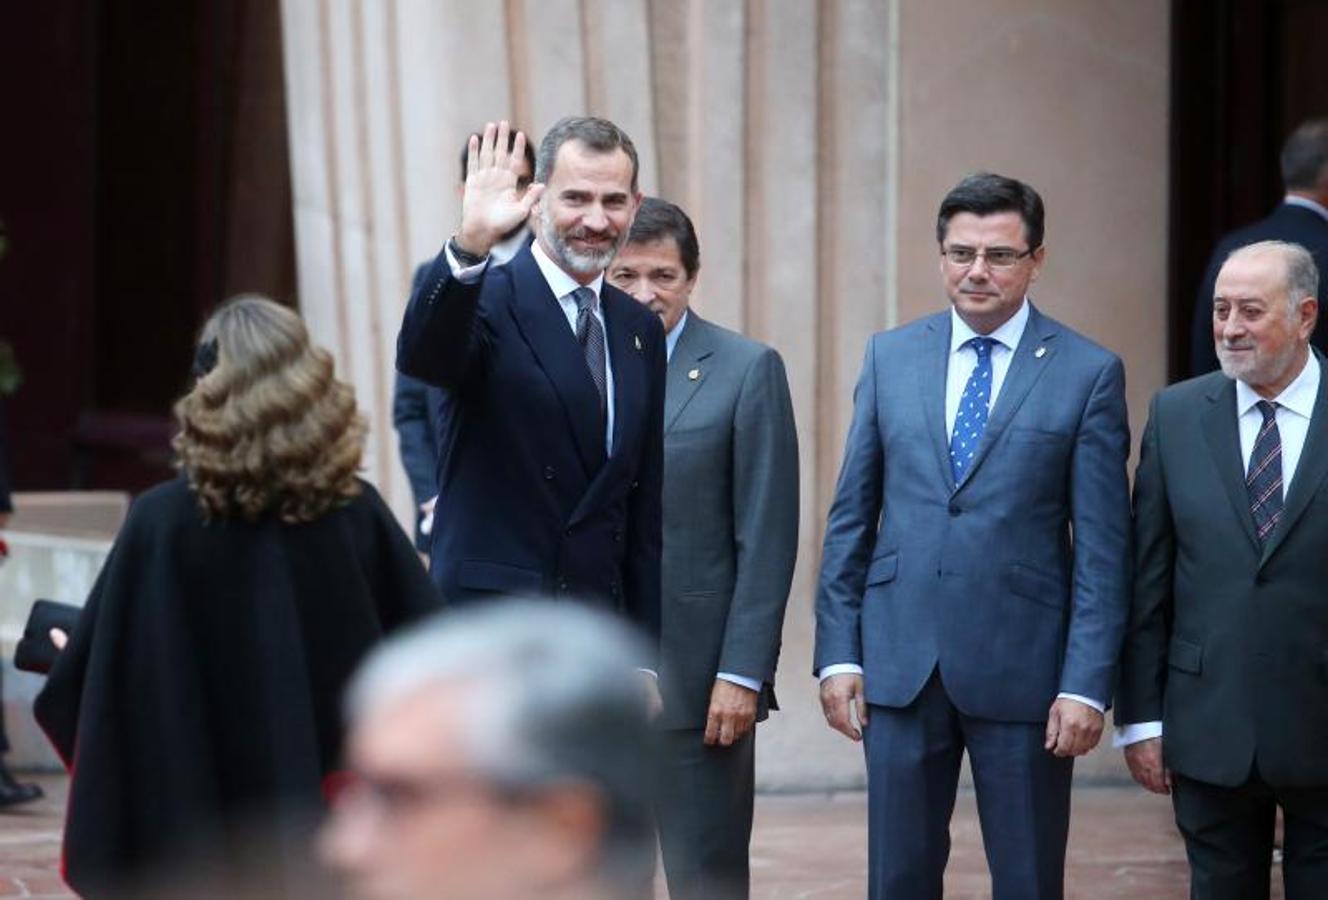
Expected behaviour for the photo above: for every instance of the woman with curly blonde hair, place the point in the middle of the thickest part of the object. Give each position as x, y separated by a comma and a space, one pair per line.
197, 701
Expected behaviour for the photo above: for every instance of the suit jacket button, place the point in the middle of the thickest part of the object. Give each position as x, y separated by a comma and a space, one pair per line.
567, 531
548, 473
613, 592
955, 509
562, 584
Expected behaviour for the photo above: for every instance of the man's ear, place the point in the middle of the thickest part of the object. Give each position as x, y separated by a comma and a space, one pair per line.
1309, 315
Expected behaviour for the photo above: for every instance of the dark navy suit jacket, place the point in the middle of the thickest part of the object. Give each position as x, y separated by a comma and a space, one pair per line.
532, 503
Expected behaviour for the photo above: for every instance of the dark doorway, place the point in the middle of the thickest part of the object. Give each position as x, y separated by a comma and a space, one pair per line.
146, 178
1244, 74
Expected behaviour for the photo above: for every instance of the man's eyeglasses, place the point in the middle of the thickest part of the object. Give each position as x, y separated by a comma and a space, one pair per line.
996, 257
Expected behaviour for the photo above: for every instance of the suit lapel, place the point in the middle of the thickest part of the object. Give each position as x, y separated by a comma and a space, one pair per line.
932, 374
1035, 351
1310, 471
627, 357
545, 328
1222, 433
630, 395
693, 348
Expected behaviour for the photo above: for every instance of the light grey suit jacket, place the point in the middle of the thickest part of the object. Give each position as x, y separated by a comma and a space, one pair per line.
730, 517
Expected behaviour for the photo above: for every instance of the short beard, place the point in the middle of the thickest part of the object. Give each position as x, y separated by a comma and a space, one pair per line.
574, 260
1260, 369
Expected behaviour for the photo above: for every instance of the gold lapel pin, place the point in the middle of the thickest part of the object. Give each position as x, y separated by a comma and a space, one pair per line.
694, 374
1039, 352
636, 339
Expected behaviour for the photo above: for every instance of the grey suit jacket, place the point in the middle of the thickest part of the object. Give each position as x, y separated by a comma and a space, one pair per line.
1012, 582
730, 516
1228, 640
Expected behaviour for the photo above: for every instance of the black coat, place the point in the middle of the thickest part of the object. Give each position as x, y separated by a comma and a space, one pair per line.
1288, 222
200, 694
529, 502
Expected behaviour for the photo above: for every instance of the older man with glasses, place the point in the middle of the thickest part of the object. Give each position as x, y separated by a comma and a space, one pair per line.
955, 613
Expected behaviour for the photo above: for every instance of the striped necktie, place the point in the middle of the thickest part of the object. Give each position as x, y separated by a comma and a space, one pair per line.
1263, 482
590, 335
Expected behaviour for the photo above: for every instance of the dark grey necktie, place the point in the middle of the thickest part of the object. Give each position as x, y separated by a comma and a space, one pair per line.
591, 337
1263, 481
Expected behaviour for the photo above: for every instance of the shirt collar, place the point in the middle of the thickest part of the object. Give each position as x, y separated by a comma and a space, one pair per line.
559, 281
1298, 396
1296, 200
671, 339
1007, 335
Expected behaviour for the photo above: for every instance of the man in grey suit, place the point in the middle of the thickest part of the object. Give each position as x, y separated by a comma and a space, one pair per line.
1225, 668
973, 588
730, 540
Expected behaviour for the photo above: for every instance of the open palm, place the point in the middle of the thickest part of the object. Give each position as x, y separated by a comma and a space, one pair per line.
491, 204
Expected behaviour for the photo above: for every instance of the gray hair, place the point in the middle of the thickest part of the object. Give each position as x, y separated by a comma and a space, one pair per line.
599, 135
1301, 276
557, 699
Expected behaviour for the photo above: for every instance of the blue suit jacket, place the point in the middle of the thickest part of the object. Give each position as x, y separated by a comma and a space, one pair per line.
1014, 581
531, 503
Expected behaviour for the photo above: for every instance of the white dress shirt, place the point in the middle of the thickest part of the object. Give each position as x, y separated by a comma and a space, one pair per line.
1296, 200
963, 360
563, 287
1295, 405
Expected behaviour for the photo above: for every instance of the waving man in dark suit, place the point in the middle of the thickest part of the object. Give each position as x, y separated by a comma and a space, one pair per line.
551, 435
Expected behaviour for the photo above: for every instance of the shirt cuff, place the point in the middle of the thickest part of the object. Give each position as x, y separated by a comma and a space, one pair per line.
467, 275
1136, 732
750, 684
1086, 701
839, 669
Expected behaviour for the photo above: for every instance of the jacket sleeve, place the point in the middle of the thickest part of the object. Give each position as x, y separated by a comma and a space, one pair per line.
850, 530
1143, 664
415, 435
443, 338
645, 523
1100, 519
765, 519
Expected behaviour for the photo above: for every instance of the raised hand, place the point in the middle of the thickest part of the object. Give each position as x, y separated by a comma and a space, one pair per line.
491, 205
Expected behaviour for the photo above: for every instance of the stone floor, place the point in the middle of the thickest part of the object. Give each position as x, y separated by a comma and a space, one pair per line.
1122, 844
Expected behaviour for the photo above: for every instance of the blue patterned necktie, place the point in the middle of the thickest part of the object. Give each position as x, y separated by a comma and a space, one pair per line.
971, 420
590, 336
1263, 481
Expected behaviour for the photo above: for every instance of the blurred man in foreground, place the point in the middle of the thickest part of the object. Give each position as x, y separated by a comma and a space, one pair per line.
499, 752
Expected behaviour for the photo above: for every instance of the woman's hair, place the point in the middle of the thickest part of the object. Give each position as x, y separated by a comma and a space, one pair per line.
267, 426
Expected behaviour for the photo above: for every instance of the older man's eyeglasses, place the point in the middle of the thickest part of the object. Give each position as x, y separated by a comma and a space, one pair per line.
996, 257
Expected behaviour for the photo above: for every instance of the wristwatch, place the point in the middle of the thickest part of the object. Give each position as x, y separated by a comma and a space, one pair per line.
464, 258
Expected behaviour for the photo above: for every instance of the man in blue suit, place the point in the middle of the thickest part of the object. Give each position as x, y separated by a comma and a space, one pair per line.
551, 429
972, 595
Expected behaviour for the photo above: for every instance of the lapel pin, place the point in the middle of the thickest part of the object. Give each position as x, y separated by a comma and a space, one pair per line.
1039, 352
694, 374
636, 339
